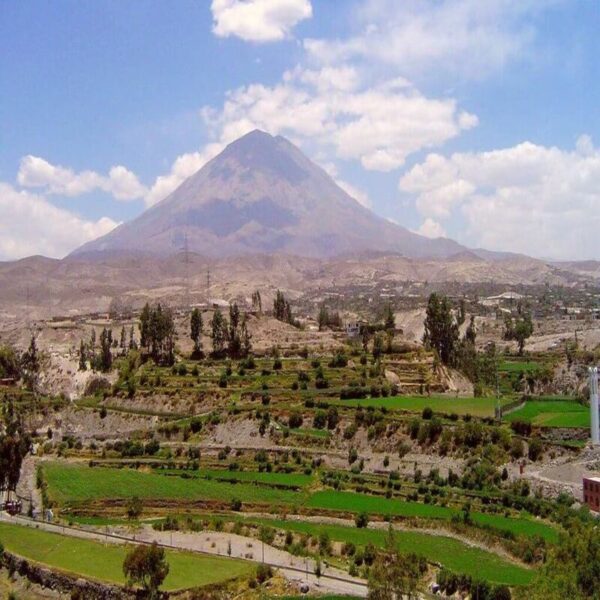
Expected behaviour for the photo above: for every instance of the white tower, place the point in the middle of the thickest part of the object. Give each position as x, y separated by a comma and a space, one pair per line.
595, 416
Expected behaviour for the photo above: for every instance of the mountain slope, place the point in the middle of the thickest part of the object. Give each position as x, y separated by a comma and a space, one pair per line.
262, 195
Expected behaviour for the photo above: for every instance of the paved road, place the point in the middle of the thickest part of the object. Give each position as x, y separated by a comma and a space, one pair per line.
294, 568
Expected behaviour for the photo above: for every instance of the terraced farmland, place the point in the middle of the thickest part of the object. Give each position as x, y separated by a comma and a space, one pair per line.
90, 559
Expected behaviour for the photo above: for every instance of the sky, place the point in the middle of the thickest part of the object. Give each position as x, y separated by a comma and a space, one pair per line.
478, 121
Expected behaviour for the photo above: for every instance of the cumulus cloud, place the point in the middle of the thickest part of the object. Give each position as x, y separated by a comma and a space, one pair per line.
35, 172
379, 124
258, 20
431, 229
463, 37
32, 225
528, 198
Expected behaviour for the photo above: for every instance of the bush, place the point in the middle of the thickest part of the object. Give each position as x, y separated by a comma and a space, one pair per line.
536, 448
362, 520
427, 413
263, 572
295, 420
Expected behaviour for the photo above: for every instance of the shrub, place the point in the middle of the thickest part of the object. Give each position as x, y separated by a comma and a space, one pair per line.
362, 520
427, 413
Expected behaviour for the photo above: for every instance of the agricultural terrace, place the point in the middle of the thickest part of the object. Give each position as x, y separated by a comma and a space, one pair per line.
452, 553
104, 562
477, 407
75, 486
553, 411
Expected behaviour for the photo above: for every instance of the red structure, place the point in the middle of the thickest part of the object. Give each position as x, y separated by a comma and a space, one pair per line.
591, 492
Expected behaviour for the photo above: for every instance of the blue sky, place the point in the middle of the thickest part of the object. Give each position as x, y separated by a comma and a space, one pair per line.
477, 121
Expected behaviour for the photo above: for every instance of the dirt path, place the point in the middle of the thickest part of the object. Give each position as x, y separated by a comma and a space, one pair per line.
295, 569
26, 487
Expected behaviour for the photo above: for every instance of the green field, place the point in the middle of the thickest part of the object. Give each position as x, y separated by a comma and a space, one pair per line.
452, 553
94, 560
478, 407
351, 502
552, 413
67, 483
292, 480
76, 483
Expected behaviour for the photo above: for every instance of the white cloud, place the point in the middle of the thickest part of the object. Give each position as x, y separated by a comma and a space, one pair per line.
461, 37
35, 172
258, 20
431, 229
380, 125
31, 225
538, 200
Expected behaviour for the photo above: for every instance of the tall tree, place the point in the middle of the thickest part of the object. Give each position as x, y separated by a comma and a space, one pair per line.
234, 339
257, 302
105, 359
323, 318
82, 356
441, 329
30, 364
389, 321
246, 338
196, 331
218, 328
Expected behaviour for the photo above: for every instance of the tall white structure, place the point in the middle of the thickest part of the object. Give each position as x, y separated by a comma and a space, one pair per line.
595, 416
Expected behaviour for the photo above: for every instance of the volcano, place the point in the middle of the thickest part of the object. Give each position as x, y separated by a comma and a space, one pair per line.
262, 195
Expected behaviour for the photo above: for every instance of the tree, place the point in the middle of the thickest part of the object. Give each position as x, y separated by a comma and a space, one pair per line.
105, 359
441, 329
30, 365
157, 333
257, 302
378, 345
196, 332
134, 507
518, 328
394, 575
123, 341
246, 338
389, 321
218, 328
234, 345
9, 363
323, 318
82, 356
132, 343
146, 566
282, 309
14, 445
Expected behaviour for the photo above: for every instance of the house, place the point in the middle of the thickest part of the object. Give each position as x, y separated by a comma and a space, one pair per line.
591, 492
353, 328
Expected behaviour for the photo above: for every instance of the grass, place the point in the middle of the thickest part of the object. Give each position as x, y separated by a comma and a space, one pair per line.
67, 483
291, 480
452, 553
76, 483
478, 407
549, 412
90, 559
352, 502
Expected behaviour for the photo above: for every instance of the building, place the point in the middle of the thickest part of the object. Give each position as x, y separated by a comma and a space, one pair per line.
591, 492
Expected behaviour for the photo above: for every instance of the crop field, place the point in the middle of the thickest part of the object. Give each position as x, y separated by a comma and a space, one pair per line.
351, 502
477, 407
291, 480
67, 483
452, 553
552, 412
71, 483
98, 561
